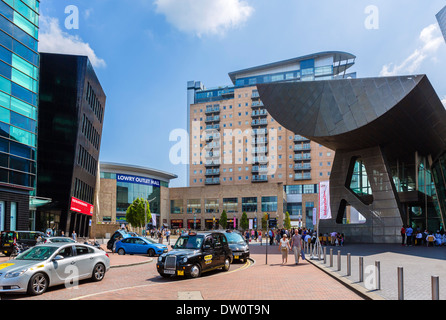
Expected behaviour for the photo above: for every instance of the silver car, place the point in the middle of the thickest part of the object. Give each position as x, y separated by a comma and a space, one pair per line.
46, 265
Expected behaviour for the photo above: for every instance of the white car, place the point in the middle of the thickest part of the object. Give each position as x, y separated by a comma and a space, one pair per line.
46, 265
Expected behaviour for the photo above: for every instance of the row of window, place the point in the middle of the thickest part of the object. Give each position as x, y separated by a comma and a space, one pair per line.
87, 161
94, 103
17, 149
27, 8
18, 34
17, 178
26, 25
90, 132
83, 191
28, 99
17, 134
230, 205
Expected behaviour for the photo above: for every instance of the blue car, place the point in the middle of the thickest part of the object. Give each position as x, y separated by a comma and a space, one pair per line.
140, 245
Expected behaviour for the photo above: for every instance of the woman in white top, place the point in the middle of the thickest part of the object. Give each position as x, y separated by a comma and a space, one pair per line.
284, 247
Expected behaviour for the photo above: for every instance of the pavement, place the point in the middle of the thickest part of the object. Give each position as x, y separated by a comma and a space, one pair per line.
310, 280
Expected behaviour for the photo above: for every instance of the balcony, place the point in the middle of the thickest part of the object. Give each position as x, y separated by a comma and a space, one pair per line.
255, 95
257, 104
304, 157
302, 147
212, 110
259, 113
213, 163
260, 160
215, 172
260, 150
298, 138
212, 181
261, 122
302, 177
259, 169
260, 178
213, 127
261, 141
302, 167
212, 119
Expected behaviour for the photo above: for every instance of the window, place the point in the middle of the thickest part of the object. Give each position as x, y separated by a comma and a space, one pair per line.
194, 206
230, 205
249, 204
269, 204
81, 250
66, 252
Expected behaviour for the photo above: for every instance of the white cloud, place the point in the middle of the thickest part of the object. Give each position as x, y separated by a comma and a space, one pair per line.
204, 17
53, 39
430, 41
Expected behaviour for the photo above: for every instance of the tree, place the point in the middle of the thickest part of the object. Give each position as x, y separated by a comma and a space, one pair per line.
223, 219
244, 223
287, 221
135, 215
265, 221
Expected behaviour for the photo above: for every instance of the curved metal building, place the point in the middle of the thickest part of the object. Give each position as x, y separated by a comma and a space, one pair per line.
389, 135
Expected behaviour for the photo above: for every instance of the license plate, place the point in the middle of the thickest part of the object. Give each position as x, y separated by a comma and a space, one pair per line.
180, 273
169, 271
236, 257
6, 245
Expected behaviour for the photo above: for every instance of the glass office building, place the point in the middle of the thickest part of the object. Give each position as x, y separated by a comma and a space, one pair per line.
441, 17
19, 82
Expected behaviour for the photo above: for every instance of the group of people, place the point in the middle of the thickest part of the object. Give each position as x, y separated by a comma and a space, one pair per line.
160, 233
411, 237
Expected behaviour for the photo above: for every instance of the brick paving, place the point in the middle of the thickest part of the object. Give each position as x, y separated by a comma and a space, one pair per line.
419, 264
259, 281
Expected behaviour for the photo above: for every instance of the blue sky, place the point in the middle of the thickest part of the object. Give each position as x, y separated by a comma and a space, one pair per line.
145, 51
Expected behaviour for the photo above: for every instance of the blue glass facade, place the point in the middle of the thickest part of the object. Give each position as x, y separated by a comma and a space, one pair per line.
19, 81
441, 17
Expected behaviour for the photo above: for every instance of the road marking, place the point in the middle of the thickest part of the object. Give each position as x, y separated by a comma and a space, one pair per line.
245, 266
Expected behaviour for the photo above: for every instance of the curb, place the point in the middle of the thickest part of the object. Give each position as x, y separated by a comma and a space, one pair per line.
361, 291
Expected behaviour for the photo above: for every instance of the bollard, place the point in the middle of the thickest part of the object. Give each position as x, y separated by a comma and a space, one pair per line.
331, 257
400, 283
435, 287
361, 269
349, 264
325, 255
377, 275
339, 260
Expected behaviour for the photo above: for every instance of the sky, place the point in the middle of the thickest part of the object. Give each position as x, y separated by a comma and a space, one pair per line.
145, 51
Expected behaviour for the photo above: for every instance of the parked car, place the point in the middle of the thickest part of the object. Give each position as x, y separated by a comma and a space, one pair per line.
42, 266
119, 234
57, 240
195, 253
238, 245
9, 239
140, 245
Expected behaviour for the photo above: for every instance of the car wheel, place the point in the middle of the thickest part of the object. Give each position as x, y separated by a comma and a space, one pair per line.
121, 252
98, 272
151, 252
195, 271
227, 264
38, 284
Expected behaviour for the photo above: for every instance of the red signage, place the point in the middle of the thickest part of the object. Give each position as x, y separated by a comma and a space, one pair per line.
81, 206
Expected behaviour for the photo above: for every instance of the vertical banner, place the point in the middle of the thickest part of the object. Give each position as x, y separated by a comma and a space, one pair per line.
314, 216
324, 201
251, 223
154, 220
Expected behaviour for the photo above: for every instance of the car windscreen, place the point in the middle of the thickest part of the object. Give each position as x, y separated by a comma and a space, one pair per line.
39, 253
7, 237
235, 238
189, 242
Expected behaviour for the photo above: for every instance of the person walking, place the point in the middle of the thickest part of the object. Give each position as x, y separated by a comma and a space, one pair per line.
284, 247
74, 235
403, 235
409, 232
296, 245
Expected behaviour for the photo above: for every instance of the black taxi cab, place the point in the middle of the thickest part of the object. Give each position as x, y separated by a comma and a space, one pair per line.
194, 254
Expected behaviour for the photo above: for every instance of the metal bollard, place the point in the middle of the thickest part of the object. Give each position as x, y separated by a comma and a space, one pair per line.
349, 264
377, 275
331, 257
325, 255
435, 287
361, 269
339, 260
400, 283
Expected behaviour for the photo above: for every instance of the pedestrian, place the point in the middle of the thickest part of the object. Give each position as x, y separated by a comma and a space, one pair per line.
284, 247
74, 235
409, 232
271, 237
403, 235
168, 236
296, 245
259, 236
